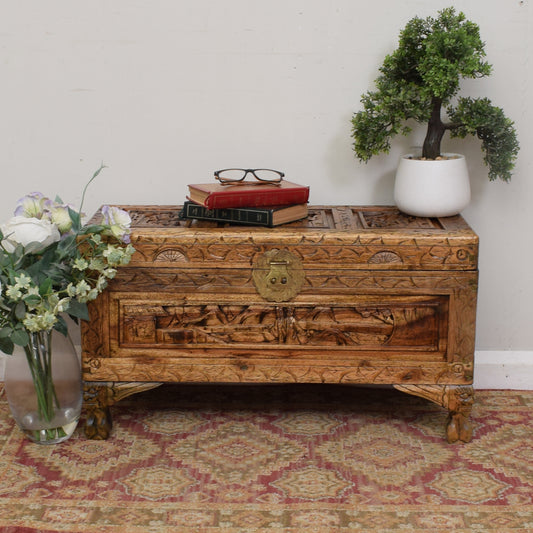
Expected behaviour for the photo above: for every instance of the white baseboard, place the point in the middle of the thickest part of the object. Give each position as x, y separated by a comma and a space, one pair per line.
503, 370
493, 370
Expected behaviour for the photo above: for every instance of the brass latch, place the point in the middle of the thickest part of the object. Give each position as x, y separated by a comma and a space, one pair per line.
278, 275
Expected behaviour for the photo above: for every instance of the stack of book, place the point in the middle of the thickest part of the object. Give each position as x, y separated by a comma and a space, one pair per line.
258, 205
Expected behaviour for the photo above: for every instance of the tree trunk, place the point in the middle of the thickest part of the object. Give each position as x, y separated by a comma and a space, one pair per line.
435, 132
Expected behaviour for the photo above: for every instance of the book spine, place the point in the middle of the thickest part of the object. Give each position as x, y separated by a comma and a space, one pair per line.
257, 217
258, 198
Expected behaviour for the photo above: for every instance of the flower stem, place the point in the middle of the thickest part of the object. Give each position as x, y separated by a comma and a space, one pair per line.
102, 166
39, 357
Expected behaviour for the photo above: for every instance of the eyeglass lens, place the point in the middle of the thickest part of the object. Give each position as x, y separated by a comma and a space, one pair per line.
239, 174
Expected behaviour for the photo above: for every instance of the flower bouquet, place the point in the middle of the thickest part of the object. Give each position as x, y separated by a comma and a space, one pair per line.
51, 265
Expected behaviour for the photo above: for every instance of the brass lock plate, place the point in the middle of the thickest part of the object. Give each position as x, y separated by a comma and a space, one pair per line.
278, 275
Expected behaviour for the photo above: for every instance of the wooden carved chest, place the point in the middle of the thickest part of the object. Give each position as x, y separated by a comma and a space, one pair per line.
361, 295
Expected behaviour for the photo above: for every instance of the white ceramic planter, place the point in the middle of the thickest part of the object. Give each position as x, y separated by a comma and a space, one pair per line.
432, 188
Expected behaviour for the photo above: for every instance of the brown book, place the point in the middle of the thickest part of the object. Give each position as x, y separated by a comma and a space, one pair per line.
217, 196
253, 216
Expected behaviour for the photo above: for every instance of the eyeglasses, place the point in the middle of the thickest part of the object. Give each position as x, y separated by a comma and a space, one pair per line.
236, 176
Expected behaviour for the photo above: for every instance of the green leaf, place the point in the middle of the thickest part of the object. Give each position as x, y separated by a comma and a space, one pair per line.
31, 299
76, 219
18, 253
5, 260
78, 310
20, 310
6, 346
61, 326
93, 228
66, 244
5, 332
20, 337
45, 286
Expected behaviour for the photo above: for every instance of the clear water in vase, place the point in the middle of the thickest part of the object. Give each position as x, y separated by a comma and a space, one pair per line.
46, 409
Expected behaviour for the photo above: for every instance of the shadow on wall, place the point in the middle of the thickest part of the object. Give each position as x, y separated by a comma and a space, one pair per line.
371, 183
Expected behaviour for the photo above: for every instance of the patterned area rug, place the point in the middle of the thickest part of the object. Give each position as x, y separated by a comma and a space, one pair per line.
276, 458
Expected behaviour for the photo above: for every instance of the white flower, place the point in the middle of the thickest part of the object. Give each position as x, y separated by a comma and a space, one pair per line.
34, 234
101, 283
80, 264
32, 206
113, 254
114, 215
82, 288
23, 281
118, 220
62, 305
61, 218
13, 293
71, 290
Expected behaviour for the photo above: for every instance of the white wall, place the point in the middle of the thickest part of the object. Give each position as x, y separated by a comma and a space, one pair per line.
166, 91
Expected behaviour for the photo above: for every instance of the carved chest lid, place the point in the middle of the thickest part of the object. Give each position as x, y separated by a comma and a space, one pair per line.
361, 237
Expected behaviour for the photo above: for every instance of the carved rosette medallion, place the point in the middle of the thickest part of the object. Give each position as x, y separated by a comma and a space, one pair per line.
171, 255
385, 257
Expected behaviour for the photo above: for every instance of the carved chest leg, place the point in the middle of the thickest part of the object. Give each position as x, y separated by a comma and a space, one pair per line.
458, 399
99, 397
98, 422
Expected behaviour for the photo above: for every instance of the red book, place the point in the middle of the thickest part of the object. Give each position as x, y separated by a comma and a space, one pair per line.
217, 196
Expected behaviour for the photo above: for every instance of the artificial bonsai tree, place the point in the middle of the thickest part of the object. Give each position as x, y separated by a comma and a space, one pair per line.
420, 80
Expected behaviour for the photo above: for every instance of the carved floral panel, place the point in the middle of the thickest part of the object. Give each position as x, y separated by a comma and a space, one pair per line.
410, 324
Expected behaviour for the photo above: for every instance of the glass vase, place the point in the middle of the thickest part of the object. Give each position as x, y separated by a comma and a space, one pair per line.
43, 387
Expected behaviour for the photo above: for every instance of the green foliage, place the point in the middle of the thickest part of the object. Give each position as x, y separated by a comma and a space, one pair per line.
423, 75
494, 129
59, 272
